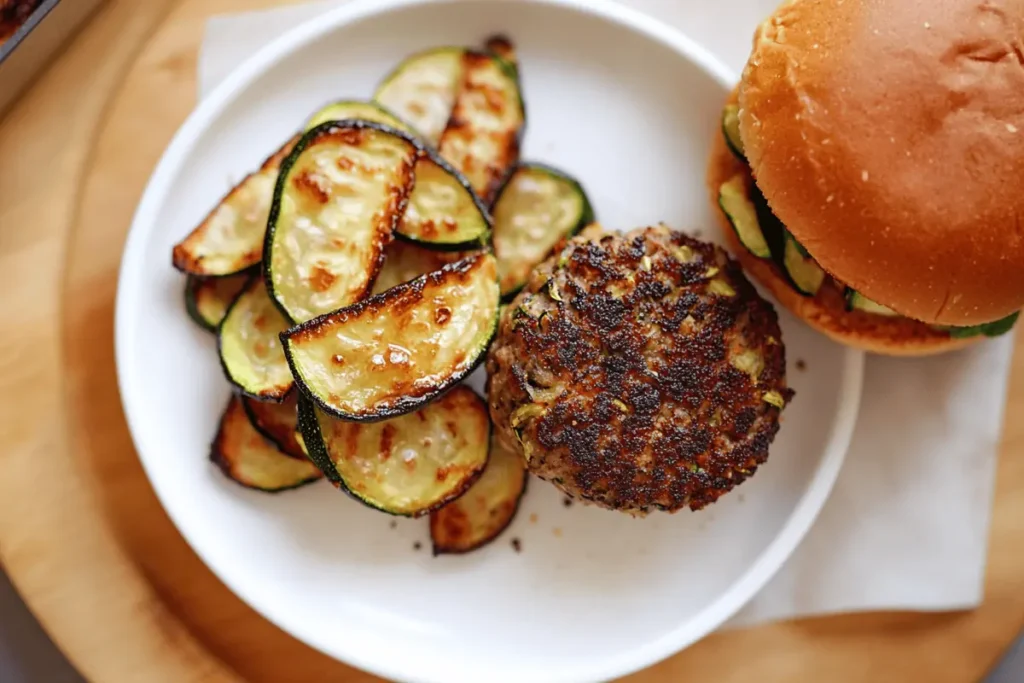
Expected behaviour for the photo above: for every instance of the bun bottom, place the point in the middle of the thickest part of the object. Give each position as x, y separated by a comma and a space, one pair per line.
825, 312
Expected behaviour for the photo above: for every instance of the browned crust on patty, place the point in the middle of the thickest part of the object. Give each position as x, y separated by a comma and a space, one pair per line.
826, 312
623, 392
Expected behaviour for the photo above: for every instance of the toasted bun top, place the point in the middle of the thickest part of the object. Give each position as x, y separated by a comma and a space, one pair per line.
888, 136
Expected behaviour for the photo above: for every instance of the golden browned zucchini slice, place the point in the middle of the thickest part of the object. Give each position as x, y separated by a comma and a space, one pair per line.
230, 239
479, 515
354, 109
339, 197
501, 46
406, 466
278, 422
404, 261
422, 90
536, 207
443, 211
207, 299
392, 353
481, 139
250, 346
247, 458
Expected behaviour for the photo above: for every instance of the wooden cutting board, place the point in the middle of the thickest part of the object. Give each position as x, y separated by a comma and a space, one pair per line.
81, 533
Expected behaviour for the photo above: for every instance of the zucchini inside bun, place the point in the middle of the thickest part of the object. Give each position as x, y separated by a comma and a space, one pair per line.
869, 167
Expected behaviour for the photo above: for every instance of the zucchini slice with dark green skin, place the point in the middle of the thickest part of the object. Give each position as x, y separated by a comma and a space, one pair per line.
804, 272
230, 238
536, 208
996, 328
501, 47
394, 352
422, 90
277, 422
482, 136
208, 299
478, 516
338, 199
735, 202
406, 466
855, 301
771, 227
443, 211
731, 130
404, 261
248, 341
245, 457
356, 109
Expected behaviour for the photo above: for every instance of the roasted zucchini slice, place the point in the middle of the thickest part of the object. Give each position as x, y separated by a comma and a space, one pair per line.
249, 344
245, 457
479, 515
731, 130
481, 139
406, 466
742, 214
422, 90
207, 299
501, 47
278, 422
537, 206
855, 301
996, 328
443, 211
339, 197
394, 352
355, 109
230, 239
804, 272
404, 261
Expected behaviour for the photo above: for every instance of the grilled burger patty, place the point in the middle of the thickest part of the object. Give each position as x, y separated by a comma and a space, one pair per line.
638, 371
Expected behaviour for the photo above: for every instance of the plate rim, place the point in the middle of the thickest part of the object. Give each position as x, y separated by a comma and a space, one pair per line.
701, 624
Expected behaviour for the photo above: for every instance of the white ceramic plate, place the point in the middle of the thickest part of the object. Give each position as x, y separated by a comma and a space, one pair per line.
629, 106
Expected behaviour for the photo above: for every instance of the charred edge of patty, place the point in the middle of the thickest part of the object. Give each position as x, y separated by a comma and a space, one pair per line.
578, 341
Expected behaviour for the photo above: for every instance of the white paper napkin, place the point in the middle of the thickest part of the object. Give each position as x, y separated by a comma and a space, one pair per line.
907, 523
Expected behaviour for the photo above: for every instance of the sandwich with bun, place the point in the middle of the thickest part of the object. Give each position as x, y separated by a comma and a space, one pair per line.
870, 170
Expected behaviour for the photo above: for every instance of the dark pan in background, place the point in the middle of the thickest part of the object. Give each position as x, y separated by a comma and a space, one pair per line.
39, 38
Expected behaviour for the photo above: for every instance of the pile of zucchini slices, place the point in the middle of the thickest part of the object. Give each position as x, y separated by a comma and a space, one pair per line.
355, 280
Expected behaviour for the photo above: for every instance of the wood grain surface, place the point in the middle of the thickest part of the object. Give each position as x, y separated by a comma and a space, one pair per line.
81, 532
